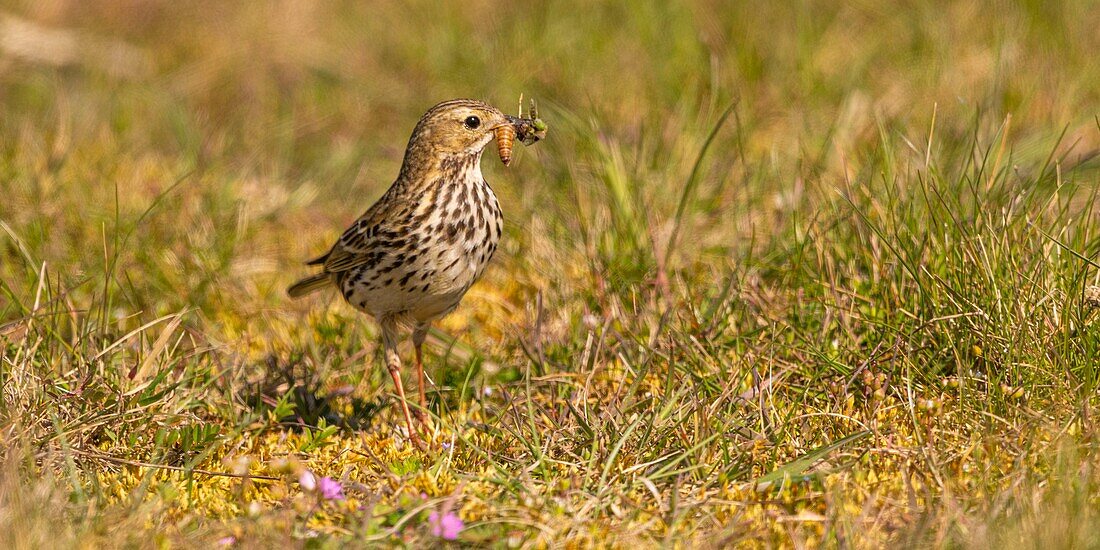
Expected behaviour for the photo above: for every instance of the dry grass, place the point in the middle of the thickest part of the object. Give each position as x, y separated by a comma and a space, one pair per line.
810, 274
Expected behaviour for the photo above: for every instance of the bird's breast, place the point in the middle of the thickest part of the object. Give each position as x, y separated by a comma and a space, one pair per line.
455, 231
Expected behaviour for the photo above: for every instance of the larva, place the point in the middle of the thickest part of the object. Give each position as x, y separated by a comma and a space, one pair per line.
506, 136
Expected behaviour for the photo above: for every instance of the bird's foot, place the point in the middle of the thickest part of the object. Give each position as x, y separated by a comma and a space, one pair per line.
417, 442
420, 430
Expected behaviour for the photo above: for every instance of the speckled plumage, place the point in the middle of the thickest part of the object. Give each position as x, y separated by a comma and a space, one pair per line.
413, 255
414, 265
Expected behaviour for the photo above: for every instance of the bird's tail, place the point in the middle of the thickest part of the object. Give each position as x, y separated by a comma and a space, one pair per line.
309, 284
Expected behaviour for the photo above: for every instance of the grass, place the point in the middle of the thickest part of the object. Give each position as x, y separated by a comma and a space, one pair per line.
805, 274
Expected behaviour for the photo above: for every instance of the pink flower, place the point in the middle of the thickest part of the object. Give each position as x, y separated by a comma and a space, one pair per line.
446, 526
307, 480
331, 489
227, 541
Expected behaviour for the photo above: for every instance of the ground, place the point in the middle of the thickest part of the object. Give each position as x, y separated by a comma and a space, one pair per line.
792, 274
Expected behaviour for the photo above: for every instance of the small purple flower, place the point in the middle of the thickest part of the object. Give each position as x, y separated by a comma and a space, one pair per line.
446, 526
227, 541
331, 489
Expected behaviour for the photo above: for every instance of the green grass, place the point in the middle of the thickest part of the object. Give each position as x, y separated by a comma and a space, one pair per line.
806, 274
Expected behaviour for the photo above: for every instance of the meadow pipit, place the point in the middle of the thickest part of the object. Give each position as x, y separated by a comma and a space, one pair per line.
412, 256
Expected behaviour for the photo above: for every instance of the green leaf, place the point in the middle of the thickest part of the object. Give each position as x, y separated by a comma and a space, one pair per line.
800, 466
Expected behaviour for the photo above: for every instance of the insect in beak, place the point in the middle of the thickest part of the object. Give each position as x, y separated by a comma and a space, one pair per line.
506, 136
527, 130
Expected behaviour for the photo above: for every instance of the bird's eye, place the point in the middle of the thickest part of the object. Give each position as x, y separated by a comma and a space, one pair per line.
472, 122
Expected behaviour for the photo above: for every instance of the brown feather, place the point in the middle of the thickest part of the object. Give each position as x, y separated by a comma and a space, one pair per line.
308, 285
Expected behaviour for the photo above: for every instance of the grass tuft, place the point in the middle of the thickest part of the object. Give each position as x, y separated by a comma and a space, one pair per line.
856, 307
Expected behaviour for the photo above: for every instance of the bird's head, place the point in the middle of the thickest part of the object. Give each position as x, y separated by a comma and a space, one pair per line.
462, 128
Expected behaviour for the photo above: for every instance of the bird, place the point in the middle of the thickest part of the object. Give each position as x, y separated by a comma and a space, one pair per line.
411, 257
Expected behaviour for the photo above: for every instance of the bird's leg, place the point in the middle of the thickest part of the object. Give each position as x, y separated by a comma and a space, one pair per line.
418, 336
393, 364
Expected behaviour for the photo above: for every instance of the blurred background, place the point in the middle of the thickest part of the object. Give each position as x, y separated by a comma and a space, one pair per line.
274, 124
783, 223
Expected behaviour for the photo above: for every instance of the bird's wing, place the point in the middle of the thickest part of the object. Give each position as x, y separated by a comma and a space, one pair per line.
357, 245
